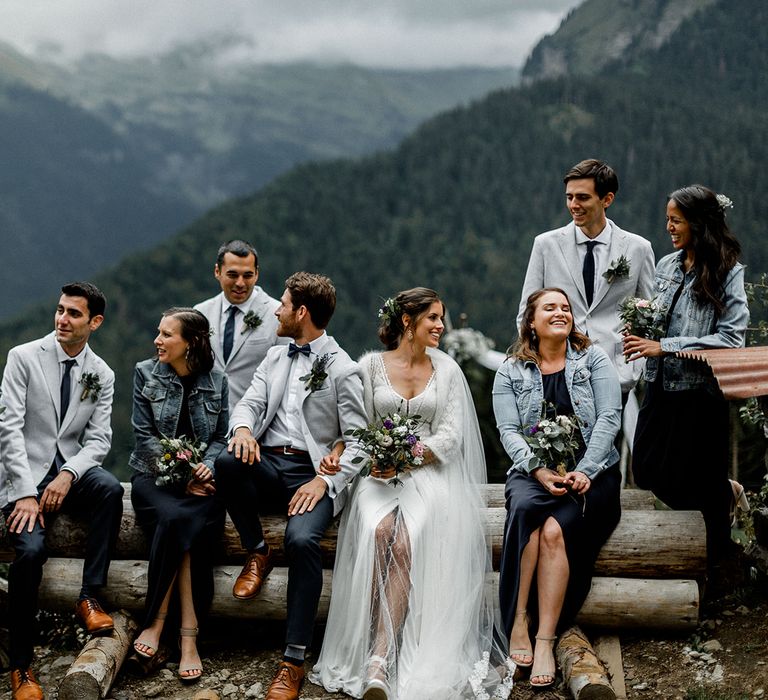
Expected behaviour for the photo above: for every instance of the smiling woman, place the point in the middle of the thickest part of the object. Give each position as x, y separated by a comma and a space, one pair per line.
559, 512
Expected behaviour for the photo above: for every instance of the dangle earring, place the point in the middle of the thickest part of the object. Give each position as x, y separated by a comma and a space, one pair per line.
410, 335
186, 353
533, 334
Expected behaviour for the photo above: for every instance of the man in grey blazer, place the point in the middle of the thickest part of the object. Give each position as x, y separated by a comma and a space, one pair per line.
302, 400
242, 317
54, 434
595, 262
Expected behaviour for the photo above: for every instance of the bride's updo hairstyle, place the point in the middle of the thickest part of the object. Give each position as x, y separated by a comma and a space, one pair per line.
196, 330
413, 303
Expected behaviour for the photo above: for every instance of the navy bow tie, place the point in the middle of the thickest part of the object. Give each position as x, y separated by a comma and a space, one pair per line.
294, 349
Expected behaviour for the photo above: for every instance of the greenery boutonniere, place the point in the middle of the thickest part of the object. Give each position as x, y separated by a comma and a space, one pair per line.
617, 269
251, 321
91, 386
317, 375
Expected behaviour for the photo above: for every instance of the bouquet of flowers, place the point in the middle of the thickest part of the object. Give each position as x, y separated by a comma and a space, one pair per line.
553, 440
391, 442
180, 455
638, 316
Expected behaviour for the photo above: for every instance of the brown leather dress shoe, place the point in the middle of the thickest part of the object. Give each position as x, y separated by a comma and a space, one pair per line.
251, 578
24, 686
286, 683
93, 617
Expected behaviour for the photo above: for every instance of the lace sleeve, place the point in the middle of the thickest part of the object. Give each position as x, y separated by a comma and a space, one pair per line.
445, 440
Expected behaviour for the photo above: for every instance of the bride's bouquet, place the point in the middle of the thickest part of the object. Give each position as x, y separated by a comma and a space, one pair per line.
390, 442
553, 440
179, 457
638, 316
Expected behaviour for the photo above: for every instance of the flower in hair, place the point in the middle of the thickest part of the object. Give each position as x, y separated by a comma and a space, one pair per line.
724, 202
390, 310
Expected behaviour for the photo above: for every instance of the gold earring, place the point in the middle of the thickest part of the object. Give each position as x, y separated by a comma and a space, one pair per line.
410, 334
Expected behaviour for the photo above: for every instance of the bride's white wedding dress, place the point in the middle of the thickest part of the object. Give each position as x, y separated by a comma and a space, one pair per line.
410, 601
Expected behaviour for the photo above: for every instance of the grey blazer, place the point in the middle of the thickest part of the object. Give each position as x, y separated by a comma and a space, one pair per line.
249, 347
325, 413
555, 262
29, 427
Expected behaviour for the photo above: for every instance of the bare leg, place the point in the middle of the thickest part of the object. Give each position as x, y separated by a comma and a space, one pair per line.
190, 666
148, 641
519, 639
391, 584
552, 581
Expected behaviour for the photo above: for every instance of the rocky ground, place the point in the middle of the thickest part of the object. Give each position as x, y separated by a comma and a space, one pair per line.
726, 658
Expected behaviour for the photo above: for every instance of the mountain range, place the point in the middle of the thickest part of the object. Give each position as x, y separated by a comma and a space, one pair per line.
105, 156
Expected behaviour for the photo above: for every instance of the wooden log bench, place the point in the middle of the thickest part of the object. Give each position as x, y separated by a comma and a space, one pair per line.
646, 574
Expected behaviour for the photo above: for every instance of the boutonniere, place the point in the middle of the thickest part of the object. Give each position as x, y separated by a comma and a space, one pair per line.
318, 374
251, 321
91, 386
617, 269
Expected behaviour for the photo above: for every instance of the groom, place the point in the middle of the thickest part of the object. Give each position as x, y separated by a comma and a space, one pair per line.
302, 399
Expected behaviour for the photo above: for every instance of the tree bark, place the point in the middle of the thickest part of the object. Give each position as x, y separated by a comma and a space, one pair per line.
91, 675
640, 545
612, 603
582, 670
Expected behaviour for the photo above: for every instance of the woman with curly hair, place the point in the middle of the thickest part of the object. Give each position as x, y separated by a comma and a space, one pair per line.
557, 518
700, 290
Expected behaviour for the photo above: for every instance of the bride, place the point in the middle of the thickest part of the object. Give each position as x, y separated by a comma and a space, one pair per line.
411, 614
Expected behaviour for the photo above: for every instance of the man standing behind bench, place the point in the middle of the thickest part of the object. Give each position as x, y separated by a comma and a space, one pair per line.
302, 400
54, 434
242, 317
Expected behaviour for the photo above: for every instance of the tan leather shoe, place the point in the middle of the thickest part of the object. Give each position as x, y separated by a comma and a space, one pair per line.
287, 682
93, 617
251, 578
24, 686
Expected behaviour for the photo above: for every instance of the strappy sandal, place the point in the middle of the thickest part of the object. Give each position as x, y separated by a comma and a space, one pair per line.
544, 671
522, 652
376, 685
189, 632
739, 502
150, 651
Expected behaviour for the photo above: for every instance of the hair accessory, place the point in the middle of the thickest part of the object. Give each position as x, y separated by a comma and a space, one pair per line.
390, 310
724, 202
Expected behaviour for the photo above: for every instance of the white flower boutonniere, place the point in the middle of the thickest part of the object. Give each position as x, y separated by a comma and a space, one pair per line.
617, 269
91, 386
318, 374
251, 321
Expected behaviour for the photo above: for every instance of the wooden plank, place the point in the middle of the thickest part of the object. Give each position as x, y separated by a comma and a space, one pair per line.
608, 649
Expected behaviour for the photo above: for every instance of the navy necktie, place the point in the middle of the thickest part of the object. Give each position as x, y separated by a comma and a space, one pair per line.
229, 333
588, 272
294, 349
66, 388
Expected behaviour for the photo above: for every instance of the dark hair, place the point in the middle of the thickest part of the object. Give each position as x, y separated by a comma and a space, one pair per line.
603, 174
196, 330
526, 347
715, 248
316, 292
97, 302
413, 303
237, 247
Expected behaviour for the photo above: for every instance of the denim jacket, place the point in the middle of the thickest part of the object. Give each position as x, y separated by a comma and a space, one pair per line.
595, 392
695, 326
157, 397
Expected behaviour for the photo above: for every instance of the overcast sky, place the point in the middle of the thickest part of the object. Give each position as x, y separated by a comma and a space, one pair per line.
401, 33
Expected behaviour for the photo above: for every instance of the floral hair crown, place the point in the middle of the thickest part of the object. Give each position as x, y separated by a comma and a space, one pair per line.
390, 310
724, 202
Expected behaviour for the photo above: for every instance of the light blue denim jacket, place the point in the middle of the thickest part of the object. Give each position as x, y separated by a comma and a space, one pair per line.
157, 396
595, 392
695, 326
